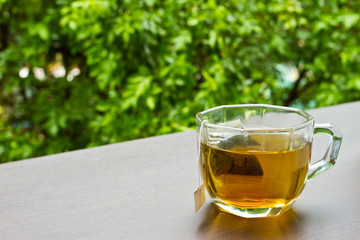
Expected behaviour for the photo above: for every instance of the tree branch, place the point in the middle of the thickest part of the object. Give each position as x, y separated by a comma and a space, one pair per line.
294, 92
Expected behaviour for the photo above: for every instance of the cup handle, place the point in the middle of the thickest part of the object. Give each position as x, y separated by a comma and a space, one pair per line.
332, 151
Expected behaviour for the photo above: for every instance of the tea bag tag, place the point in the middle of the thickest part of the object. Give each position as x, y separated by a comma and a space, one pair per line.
199, 197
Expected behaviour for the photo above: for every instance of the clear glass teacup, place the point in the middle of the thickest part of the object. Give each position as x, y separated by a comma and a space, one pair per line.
255, 159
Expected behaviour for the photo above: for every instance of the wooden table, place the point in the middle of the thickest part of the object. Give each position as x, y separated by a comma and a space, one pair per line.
143, 189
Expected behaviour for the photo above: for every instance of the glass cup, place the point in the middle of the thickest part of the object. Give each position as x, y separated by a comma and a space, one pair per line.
255, 159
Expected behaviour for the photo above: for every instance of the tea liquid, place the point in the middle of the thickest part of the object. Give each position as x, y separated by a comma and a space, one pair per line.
251, 179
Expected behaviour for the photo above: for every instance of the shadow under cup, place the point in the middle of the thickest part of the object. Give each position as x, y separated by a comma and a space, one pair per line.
255, 159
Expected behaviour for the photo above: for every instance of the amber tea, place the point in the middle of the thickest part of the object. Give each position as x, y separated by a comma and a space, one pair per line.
254, 178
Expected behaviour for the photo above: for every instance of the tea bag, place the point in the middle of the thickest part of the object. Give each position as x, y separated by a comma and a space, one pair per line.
245, 164
238, 141
221, 161
234, 162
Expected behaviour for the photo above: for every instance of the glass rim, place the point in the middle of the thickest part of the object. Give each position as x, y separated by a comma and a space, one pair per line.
307, 116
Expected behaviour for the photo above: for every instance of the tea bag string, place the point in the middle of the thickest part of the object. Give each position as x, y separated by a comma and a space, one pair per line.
199, 194
199, 148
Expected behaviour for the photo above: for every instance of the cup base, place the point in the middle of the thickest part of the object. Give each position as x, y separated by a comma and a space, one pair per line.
251, 212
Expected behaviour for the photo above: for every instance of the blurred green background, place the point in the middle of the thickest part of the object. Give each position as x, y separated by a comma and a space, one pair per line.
78, 74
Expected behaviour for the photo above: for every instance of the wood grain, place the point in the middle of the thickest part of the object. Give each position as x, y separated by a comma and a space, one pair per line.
143, 189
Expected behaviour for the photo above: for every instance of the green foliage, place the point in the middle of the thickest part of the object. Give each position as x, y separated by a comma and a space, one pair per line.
146, 67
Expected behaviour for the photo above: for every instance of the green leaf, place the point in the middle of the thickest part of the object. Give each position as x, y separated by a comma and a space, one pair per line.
40, 30
212, 38
150, 102
150, 3
349, 19
279, 44
192, 21
319, 63
54, 129
181, 40
210, 80
355, 82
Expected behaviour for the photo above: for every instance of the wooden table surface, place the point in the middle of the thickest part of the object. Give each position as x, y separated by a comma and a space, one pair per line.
143, 189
